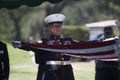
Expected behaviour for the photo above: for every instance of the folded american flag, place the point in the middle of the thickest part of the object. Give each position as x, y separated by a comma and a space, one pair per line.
90, 49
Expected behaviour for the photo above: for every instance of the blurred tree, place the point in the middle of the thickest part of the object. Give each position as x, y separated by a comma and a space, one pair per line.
5, 26
26, 21
85, 11
13, 4
16, 16
116, 2
80, 33
55, 8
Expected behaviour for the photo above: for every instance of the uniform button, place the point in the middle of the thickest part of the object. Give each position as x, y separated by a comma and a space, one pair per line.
50, 70
62, 54
60, 43
62, 58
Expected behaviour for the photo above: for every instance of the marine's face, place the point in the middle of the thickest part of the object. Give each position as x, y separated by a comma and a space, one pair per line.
56, 29
108, 33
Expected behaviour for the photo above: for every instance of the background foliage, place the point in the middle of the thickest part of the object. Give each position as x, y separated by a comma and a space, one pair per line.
22, 22
75, 32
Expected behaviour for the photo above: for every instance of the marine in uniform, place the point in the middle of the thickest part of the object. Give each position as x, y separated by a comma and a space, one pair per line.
107, 69
52, 65
4, 62
56, 66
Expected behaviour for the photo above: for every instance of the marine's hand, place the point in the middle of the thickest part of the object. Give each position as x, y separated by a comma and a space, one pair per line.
39, 41
16, 44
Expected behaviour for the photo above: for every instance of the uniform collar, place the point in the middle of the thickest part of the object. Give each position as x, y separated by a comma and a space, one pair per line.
54, 37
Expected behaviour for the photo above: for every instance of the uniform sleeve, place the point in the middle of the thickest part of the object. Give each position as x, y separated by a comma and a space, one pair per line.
40, 57
6, 65
27, 47
24, 45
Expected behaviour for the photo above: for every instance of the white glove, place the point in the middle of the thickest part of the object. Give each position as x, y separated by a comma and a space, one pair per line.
17, 44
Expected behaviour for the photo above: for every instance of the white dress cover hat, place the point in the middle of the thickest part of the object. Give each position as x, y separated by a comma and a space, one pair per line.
54, 18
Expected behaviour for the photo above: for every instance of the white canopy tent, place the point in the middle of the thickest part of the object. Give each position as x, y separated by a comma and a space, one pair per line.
97, 27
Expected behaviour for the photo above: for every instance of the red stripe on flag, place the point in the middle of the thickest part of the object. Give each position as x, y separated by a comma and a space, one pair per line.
79, 46
86, 45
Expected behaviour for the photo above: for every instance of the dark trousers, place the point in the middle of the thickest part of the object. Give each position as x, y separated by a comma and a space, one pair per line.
60, 74
107, 74
1, 75
40, 73
107, 70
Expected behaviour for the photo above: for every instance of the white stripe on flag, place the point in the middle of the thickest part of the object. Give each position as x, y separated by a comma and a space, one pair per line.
86, 51
101, 56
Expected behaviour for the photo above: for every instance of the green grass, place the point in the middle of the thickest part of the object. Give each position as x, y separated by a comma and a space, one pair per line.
83, 70
18, 56
22, 67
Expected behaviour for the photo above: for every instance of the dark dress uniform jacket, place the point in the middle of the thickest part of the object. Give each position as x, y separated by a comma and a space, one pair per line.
4, 62
53, 71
